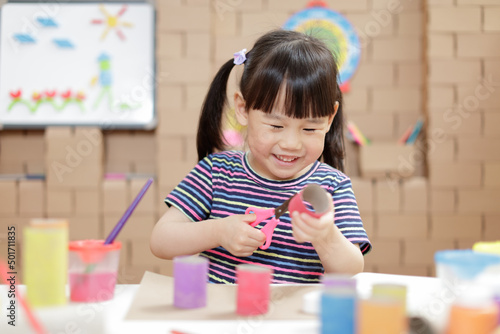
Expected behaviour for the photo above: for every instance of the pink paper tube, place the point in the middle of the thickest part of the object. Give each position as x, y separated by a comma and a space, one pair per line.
253, 289
190, 281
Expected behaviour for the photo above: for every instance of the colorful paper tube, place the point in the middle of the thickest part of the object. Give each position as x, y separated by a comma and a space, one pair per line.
190, 281
397, 291
382, 315
45, 261
339, 310
253, 289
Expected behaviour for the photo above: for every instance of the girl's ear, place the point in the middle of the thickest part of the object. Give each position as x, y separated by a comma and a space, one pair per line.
240, 109
332, 116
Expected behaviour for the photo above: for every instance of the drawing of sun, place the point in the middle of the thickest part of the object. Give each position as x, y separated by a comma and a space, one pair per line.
113, 22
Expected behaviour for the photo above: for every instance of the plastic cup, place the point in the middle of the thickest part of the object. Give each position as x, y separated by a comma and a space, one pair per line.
92, 269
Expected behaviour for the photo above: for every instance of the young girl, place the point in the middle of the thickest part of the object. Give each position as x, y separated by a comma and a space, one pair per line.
290, 102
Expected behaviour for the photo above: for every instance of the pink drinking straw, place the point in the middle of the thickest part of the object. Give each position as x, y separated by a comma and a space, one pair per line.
37, 326
126, 215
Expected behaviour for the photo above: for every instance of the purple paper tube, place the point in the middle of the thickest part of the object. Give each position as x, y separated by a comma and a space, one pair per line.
190, 281
338, 281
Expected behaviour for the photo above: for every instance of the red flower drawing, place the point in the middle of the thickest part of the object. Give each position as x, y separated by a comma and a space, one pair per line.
16, 95
36, 96
80, 96
66, 94
50, 94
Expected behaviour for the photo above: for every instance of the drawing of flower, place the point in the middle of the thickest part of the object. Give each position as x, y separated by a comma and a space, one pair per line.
50, 94
16, 95
80, 96
66, 94
36, 96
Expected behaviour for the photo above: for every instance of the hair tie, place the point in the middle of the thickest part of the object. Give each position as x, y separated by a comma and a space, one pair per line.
239, 57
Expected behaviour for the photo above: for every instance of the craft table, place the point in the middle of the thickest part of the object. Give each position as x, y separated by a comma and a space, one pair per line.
425, 297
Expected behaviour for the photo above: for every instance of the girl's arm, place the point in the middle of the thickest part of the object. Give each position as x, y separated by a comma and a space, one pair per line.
174, 234
337, 254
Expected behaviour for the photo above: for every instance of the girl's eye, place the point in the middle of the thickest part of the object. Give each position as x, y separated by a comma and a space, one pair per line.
310, 130
276, 126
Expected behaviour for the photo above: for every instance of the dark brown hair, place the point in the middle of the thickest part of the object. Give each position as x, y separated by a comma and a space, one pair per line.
303, 66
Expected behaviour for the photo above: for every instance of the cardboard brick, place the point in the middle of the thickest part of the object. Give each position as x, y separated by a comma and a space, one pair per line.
114, 196
133, 274
119, 167
191, 153
415, 195
388, 100
117, 146
9, 197
162, 194
442, 201
491, 125
416, 270
138, 225
421, 252
179, 123
58, 132
149, 201
185, 71
12, 167
410, 74
85, 227
477, 3
84, 147
141, 254
453, 19
441, 150
199, 3
256, 24
87, 202
60, 202
170, 45
351, 159
125, 252
180, 18
170, 148
31, 198
453, 71
440, 98
60, 174
480, 94
226, 46
397, 7
226, 23
356, 101
374, 74
363, 190
490, 21
465, 243
491, 228
402, 226
195, 42
440, 46
16, 146
387, 196
143, 147
170, 97
35, 166
411, 24
451, 124
382, 159
368, 224
386, 252
456, 226
375, 127
478, 149
195, 95
491, 175
478, 201
478, 45
453, 174
397, 49
172, 172
369, 26
144, 167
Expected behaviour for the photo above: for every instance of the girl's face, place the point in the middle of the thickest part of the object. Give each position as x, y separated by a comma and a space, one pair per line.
282, 147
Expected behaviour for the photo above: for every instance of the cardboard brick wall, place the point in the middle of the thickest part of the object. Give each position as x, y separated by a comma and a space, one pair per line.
436, 59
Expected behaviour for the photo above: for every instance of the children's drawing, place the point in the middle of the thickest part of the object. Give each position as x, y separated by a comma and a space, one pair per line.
47, 22
47, 70
113, 22
48, 98
24, 38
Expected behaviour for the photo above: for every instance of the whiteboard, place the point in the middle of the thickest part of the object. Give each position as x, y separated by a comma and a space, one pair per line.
77, 64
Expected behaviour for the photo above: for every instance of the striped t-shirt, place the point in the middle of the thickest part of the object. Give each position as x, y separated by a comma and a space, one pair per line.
224, 184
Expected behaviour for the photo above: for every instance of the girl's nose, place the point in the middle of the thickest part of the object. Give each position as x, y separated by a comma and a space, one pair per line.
290, 141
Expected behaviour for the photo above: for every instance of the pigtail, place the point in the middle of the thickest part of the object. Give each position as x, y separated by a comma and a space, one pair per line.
210, 137
334, 151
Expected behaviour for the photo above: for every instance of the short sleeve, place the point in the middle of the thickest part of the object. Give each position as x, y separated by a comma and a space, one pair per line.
347, 217
193, 195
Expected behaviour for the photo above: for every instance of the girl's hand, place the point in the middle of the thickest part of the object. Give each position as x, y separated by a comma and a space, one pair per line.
238, 237
307, 228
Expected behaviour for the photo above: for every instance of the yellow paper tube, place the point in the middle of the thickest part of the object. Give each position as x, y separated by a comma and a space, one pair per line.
45, 261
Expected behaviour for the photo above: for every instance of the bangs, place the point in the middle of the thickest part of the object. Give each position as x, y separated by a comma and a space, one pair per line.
300, 78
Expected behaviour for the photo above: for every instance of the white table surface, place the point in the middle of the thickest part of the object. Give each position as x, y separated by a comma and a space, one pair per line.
425, 295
